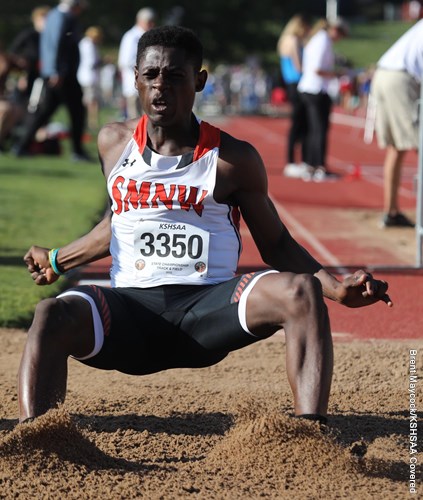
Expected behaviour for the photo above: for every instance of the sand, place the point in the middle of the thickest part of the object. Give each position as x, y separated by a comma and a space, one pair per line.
222, 432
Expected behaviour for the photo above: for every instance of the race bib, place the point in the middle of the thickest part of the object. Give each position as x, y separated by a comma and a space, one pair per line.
164, 248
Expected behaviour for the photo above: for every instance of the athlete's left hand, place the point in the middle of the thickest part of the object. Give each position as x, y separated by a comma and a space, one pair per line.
361, 289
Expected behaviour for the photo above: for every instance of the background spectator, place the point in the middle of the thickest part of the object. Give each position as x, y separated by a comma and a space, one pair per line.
10, 112
396, 89
145, 20
59, 56
290, 50
318, 70
89, 73
108, 81
24, 54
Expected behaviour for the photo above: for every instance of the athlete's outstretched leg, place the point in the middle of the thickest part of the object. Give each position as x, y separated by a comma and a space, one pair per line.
295, 303
61, 327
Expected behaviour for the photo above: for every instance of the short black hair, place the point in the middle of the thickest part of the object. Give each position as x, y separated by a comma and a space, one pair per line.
173, 36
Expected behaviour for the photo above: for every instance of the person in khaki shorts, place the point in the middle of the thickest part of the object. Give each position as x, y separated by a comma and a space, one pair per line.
396, 90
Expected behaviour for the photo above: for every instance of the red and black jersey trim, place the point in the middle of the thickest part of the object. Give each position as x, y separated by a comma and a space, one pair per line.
208, 140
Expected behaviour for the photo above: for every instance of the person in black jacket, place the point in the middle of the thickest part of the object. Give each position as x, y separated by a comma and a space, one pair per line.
59, 58
24, 54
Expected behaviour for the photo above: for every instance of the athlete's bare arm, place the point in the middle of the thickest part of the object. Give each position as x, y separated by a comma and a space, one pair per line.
89, 248
242, 181
94, 245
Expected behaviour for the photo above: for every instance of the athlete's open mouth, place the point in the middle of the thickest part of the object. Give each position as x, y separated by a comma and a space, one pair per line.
159, 104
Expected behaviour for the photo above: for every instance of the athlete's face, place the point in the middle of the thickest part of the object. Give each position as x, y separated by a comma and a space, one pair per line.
167, 82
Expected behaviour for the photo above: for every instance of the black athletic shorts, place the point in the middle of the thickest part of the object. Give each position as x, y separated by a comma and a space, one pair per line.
172, 326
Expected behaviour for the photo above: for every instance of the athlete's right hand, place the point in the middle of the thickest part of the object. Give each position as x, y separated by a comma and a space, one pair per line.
39, 267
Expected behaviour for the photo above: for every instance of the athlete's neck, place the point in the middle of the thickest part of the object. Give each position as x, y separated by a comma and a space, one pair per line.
173, 140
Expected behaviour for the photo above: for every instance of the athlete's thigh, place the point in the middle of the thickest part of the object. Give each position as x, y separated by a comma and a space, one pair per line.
275, 298
129, 330
218, 321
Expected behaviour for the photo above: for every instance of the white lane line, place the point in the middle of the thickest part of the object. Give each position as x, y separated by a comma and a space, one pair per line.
324, 252
374, 175
350, 120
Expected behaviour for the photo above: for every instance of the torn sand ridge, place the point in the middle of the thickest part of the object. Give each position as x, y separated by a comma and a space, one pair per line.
51, 441
276, 448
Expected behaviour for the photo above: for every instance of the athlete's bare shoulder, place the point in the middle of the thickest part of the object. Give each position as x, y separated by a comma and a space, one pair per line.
237, 152
239, 168
112, 139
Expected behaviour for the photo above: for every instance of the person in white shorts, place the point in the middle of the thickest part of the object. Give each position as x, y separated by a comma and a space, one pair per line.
177, 188
396, 90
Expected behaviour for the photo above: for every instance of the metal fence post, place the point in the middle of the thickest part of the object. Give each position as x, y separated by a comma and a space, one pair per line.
419, 208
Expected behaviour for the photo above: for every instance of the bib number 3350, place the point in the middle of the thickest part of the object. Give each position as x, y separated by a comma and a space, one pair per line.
170, 248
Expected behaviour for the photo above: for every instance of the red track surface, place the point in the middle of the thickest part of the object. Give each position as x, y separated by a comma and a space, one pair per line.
319, 216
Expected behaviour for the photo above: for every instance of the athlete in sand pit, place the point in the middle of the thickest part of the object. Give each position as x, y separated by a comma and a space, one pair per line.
177, 186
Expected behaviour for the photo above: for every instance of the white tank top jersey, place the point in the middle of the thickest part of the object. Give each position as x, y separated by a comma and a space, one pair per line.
167, 227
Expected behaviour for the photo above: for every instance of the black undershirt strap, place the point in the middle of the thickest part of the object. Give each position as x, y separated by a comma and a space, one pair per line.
185, 160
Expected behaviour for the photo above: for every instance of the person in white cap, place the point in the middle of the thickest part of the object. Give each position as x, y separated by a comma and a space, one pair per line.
145, 20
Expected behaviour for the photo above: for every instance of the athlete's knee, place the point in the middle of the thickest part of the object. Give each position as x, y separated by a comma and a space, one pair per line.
51, 322
306, 288
307, 308
306, 294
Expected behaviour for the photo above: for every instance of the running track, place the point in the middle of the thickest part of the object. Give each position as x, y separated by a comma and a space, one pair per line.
329, 218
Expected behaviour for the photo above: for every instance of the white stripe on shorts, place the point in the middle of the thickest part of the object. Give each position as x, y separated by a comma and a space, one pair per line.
242, 305
98, 325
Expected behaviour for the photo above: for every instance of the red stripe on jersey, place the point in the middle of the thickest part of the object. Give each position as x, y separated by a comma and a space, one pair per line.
140, 133
208, 140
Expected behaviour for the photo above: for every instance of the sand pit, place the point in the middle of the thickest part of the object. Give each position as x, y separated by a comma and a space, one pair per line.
219, 432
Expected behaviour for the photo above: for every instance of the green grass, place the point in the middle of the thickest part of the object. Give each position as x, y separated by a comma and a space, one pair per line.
368, 41
46, 201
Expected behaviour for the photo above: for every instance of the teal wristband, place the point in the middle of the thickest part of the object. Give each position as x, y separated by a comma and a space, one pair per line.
52, 256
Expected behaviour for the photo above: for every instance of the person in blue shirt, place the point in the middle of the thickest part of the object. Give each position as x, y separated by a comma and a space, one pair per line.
290, 47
